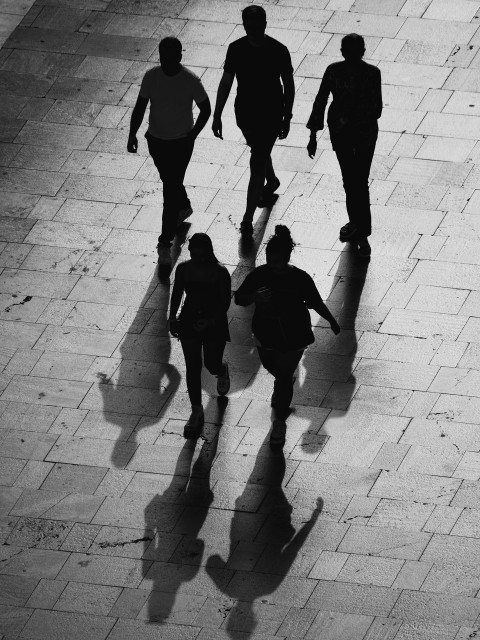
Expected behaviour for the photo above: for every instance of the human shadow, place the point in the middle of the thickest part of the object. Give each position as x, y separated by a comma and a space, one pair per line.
333, 358
282, 543
189, 490
138, 393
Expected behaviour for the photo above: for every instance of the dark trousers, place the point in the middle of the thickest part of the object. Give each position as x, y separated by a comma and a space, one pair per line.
213, 357
282, 366
355, 159
171, 157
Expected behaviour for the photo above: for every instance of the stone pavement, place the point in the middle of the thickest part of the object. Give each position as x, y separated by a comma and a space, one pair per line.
113, 526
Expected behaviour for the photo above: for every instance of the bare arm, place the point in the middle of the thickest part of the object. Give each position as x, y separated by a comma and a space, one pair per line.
223, 92
136, 120
202, 118
288, 98
177, 293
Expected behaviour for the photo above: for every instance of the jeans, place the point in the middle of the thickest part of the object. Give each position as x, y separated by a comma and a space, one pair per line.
213, 357
282, 366
355, 159
171, 157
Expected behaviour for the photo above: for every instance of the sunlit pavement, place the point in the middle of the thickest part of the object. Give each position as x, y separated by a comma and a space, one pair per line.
112, 525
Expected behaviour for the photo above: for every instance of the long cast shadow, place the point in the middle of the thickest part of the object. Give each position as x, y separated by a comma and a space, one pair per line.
284, 544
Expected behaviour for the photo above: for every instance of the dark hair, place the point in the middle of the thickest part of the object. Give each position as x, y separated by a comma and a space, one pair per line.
254, 11
171, 46
353, 46
203, 241
281, 242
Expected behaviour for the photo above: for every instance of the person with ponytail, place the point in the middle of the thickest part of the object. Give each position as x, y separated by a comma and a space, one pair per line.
281, 323
202, 323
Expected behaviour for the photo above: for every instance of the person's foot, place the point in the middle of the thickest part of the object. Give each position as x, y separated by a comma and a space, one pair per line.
363, 248
183, 214
277, 436
223, 381
164, 258
246, 228
348, 232
195, 422
267, 193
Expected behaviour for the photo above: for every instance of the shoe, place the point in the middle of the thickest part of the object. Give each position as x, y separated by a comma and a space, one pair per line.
267, 194
348, 231
364, 249
164, 258
246, 229
279, 430
223, 381
195, 422
183, 214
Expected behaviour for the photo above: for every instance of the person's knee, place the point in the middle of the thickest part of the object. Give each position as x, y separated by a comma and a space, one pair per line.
258, 160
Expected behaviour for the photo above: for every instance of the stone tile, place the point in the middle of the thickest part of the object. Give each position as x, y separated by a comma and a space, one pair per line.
367, 570
39, 563
81, 341
423, 324
413, 75
384, 541
410, 486
412, 575
38, 533
400, 514
92, 452
438, 608
89, 599
87, 90
351, 598
52, 624
64, 393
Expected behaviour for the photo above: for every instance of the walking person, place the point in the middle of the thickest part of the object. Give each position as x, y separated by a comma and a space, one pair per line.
263, 105
352, 122
202, 324
171, 90
281, 324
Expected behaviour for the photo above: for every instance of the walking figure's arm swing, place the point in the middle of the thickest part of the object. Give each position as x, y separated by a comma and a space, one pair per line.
204, 114
135, 123
175, 301
223, 92
288, 98
316, 121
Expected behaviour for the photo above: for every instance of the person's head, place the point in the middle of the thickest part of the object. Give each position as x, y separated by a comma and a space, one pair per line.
353, 47
279, 249
254, 20
170, 50
201, 249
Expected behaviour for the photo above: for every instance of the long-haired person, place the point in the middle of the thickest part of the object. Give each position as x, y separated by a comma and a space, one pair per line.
283, 295
202, 326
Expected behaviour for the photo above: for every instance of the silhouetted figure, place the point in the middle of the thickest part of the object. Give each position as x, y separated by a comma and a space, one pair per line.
352, 122
171, 89
283, 545
281, 323
263, 105
203, 322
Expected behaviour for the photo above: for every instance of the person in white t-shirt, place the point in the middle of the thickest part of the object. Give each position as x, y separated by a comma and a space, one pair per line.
171, 90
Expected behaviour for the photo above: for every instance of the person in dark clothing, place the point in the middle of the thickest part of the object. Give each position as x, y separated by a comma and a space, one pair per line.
263, 105
352, 123
281, 324
203, 322
171, 90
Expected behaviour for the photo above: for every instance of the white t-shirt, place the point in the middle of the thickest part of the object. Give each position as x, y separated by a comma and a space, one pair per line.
171, 101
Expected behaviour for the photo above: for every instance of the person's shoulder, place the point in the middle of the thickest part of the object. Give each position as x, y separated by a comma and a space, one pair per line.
274, 43
300, 274
336, 66
238, 44
222, 268
190, 75
153, 71
370, 68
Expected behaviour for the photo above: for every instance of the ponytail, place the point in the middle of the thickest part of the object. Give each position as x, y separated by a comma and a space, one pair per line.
281, 241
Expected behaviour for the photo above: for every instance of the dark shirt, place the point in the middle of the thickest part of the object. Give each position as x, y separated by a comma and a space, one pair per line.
357, 101
258, 71
283, 324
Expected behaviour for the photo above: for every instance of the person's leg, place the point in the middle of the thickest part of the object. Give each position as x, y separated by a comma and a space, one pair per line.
185, 152
285, 366
192, 351
345, 153
363, 161
216, 365
261, 145
161, 153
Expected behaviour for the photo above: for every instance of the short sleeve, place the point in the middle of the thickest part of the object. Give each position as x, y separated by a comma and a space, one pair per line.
310, 292
145, 87
230, 64
285, 61
199, 93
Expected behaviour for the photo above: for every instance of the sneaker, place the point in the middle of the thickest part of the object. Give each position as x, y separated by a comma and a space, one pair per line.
348, 231
195, 422
223, 381
364, 250
164, 258
246, 228
183, 214
279, 430
267, 194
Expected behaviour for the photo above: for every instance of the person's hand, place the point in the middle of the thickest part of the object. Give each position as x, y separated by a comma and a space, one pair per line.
217, 127
285, 129
312, 146
335, 327
132, 144
173, 326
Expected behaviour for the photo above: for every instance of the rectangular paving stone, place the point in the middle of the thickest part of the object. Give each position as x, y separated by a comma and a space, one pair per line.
415, 605
22, 282
45, 183
48, 134
390, 542
102, 570
20, 335
90, 451
26, 445
413, 75
109, 291
360, 569
79, 340
422, 324
99, 188
15, 590
45, 40
53, 625
414, 486
369, 600
65, 393
87, 90
40, 563
395, 374
141, 630
457, 408
369, 24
